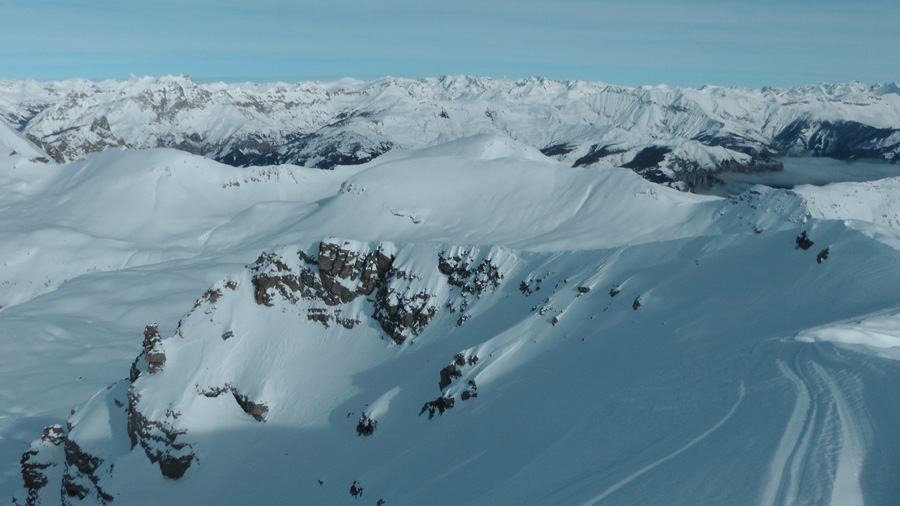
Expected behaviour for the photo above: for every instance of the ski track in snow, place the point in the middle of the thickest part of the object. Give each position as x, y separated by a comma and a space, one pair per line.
793, 445
847, 489
671, 456
827, 411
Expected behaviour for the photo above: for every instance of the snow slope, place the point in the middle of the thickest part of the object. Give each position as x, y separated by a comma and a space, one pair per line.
628, 336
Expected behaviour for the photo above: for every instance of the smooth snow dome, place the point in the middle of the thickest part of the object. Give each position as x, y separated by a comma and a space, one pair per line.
223, 334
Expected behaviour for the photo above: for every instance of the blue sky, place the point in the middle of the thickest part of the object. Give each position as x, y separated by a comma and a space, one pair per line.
688, 43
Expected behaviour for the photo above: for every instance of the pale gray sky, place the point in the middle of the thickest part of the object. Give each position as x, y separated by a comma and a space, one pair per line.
692, 42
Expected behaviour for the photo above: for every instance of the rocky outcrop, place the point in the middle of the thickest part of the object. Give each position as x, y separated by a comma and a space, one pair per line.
403, 303
42, 464
162, 443
471, 392
338, 264
257, 410
153, 352
402, 313
366, 425
81, 477
458, 267
439, 405
341, 274
78, 141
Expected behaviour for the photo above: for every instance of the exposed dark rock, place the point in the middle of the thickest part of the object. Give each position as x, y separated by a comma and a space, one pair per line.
614, 291
272, 274
356, 490
366, 425
160, 441
734, 142
803, 242
440, 405
331, 146
648, 158
318, 314
153, 350
228, 334
340, 273
216, 391
37, 461
209, 297
636, 304
693, 175
470, 392
336, 262
460, 273
844, 140
558, 149
454, 369
583, 290
822, 255
338, 267
595, 154
447, 375
80, 477
257, 410
525, 288
401, 314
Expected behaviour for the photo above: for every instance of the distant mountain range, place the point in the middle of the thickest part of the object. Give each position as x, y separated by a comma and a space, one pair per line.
678, 136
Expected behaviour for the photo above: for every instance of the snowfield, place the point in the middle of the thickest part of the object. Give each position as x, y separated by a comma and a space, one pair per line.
467, 323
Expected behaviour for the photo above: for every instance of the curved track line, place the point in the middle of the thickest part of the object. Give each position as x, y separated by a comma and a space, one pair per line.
793, 445
671, 456
846, 488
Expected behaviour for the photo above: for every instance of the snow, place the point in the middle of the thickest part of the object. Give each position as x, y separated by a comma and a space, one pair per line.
751, 373
309, 118
13, 143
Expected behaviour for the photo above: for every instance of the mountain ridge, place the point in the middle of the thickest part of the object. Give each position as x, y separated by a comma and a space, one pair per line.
678, 136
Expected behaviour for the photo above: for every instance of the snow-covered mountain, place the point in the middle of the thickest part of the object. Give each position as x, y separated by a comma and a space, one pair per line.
468, 323
668, 134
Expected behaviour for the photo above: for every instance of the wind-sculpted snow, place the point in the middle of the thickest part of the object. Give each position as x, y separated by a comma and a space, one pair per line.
695, 133
471, 323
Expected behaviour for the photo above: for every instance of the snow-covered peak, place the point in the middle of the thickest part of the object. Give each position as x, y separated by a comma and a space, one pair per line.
324, 124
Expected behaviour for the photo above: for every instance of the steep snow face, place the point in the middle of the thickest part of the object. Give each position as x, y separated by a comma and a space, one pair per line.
710, 129
13, 143
467, 323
